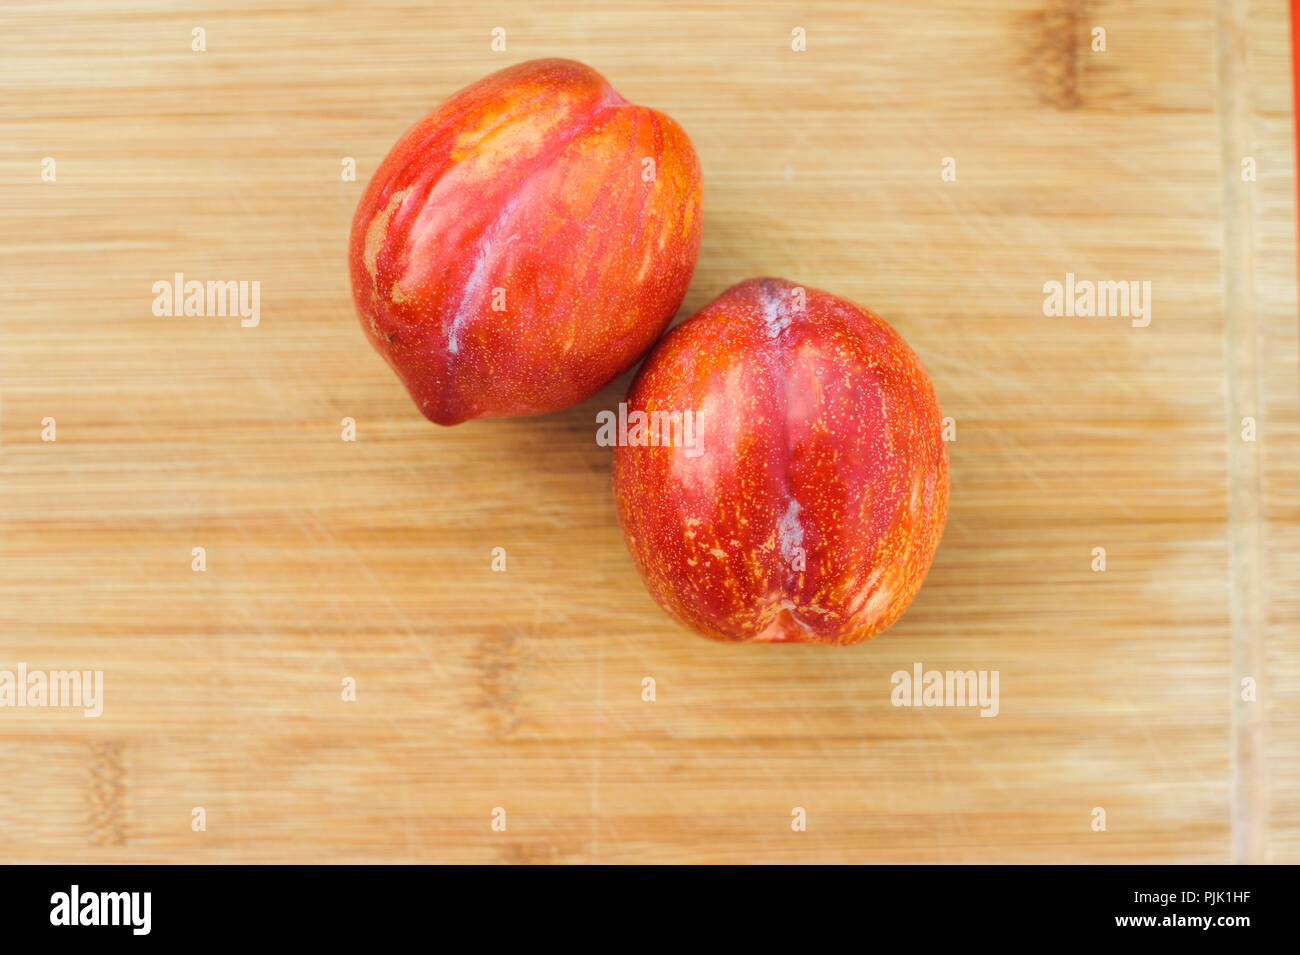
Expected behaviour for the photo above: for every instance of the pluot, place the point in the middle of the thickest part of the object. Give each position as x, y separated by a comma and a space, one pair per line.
525, 243
813, 500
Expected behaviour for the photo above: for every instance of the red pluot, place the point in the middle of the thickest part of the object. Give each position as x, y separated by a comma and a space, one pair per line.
525, 243
813, 500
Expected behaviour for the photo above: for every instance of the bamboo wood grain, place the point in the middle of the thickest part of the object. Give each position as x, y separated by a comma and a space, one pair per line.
371, 560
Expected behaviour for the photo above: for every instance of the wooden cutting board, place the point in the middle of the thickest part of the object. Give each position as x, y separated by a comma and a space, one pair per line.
476, 690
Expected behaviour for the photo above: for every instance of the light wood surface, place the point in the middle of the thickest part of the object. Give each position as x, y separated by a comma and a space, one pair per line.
476, 689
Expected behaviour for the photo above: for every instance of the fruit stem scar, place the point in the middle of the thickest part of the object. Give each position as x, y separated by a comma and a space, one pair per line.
776, 311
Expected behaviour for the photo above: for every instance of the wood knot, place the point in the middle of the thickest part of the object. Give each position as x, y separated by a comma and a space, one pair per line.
1054, 40
497, 662
107, 794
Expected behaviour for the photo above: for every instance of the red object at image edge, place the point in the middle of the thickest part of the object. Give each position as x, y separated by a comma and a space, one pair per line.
1295, 103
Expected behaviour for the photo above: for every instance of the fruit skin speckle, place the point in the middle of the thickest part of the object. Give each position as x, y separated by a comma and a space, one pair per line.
515, 251
817, 503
